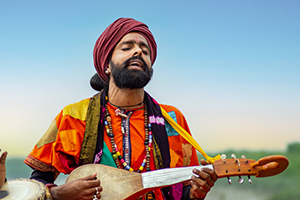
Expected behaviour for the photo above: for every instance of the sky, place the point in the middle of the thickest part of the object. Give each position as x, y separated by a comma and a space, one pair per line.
232, 67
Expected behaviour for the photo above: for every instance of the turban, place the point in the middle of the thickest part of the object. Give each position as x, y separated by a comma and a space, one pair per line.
107, 41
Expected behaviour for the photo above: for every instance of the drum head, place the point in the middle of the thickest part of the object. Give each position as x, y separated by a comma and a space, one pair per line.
22, 189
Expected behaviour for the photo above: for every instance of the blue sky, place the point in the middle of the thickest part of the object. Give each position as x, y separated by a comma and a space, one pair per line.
232, 67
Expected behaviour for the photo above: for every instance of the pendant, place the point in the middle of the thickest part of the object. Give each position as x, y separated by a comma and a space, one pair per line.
118, 112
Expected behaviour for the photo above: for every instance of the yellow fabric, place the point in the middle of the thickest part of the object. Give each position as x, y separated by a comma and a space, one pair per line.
175, 157
188, 137
68, 140
49, 136
77, 110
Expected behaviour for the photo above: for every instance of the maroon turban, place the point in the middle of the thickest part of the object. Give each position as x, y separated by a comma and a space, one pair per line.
110, 38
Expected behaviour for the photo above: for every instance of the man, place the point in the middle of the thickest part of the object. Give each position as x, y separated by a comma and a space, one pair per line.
122, 126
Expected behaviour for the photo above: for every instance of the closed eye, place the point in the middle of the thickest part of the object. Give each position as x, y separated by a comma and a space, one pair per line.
145, 52
125, 49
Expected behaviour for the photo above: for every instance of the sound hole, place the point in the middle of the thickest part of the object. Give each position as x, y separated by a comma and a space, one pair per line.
3, 193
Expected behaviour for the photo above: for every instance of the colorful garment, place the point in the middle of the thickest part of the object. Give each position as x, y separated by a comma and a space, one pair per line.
63, 147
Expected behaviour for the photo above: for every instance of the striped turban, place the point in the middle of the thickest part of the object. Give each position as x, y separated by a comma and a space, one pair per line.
112, 35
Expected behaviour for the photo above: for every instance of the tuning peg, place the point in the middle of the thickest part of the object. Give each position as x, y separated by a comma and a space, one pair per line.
241, 180
229, 180
244, 157
223, 157
238, 162
233, 156
249, 180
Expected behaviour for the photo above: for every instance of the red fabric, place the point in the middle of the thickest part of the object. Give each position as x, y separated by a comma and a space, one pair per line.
110, 38
68, 162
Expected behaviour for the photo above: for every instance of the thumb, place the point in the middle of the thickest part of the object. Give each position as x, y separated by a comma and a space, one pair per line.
3, 157
203, 162
90, 177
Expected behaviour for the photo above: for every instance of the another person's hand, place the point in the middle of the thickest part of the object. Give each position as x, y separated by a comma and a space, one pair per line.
2, 167
84, 188
202, 182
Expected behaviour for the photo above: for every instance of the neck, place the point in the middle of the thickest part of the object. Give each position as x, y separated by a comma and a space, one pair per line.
125, 98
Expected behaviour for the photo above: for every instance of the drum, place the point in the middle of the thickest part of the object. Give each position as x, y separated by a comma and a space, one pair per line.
22, 189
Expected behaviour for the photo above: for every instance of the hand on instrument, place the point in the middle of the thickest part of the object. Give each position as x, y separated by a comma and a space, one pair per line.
2, 167
85, 188
202, 182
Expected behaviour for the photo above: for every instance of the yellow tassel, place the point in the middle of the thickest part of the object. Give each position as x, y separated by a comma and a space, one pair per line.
188, 137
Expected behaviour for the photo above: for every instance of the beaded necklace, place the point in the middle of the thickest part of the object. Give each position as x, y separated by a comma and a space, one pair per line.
115, 151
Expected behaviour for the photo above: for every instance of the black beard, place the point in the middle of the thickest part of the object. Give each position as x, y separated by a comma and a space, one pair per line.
132, 78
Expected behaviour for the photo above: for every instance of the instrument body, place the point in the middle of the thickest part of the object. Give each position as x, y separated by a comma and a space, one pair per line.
23, 189
117, 183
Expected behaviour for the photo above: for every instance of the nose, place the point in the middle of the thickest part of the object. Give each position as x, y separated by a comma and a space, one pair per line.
137, 51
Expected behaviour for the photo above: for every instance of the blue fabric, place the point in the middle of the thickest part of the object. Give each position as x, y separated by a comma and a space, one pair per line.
170, 130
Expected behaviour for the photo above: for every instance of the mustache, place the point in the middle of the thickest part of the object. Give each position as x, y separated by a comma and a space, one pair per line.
126, 62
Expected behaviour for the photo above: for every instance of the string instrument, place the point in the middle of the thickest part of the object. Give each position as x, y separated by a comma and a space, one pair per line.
120, 184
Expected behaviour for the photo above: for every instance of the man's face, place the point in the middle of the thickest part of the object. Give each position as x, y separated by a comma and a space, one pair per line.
130, 62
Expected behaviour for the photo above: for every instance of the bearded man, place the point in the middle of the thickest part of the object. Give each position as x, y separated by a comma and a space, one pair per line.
121, 126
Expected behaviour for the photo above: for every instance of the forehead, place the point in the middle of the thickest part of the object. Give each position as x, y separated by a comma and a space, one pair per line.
133, 37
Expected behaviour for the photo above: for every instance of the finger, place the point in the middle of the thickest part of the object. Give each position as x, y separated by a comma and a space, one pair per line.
93, 186
3, 157
197, 191
212, 173
201, 183
94, 191
90, 197
94, 183
205, 176
98, 190
91, 191
98, 196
